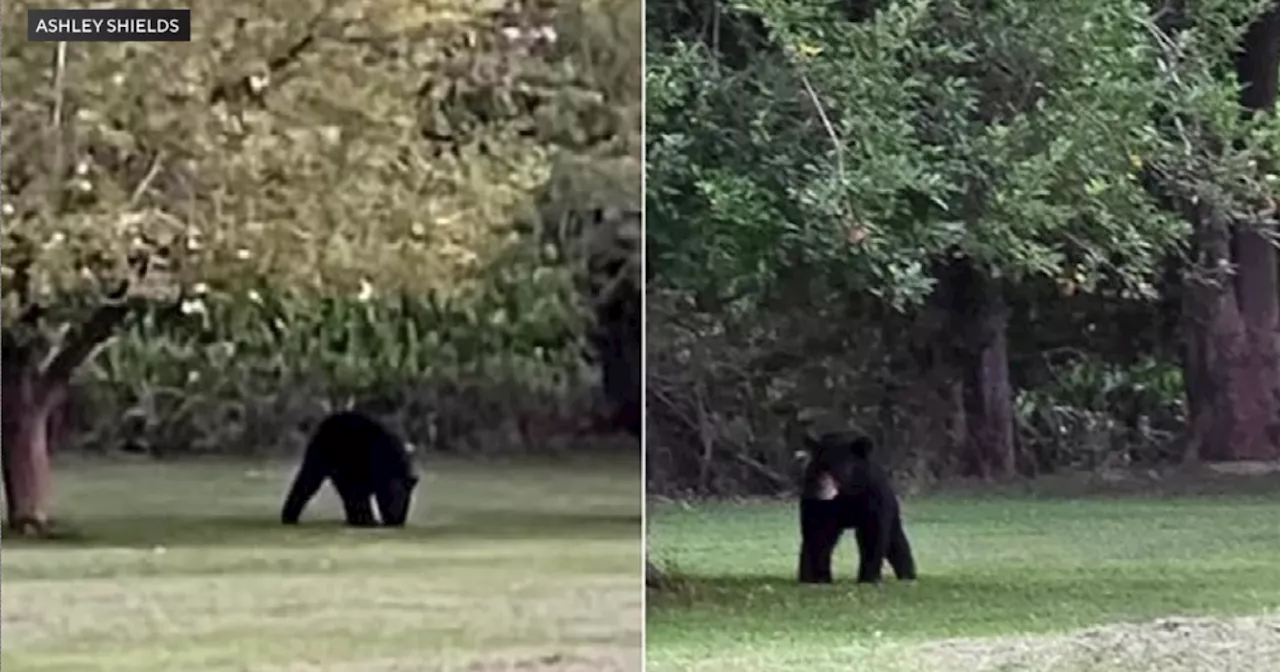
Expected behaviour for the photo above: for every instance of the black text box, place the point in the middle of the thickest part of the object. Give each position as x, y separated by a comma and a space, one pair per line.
109, 25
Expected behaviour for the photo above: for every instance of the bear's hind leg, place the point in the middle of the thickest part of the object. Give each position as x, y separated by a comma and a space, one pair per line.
310, 477
900, 557
873, 546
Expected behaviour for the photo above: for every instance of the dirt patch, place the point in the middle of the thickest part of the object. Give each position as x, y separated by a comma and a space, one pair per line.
1166, 645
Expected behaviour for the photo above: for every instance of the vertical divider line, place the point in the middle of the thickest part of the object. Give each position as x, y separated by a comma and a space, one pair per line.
644, 343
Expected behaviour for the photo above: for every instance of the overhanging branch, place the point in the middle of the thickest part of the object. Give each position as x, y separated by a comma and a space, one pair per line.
82, 340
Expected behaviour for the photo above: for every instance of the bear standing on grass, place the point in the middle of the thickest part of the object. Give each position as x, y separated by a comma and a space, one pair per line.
842, 489
365, 461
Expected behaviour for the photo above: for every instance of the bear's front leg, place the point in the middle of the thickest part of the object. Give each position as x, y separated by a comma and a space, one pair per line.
359, 510
819, 534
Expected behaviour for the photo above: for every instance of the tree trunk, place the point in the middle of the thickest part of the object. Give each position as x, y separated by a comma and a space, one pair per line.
1258, 280
1229, 408
28, 395
28, 479
615, 296
977, 328
1232, 357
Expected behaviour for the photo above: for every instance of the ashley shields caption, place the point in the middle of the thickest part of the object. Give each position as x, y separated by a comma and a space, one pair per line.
109, 25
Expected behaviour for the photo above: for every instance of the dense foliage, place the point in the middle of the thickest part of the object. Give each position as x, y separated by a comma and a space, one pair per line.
317, 202
856, 208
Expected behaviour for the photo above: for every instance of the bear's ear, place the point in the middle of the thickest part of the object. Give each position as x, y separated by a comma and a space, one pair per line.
861, 446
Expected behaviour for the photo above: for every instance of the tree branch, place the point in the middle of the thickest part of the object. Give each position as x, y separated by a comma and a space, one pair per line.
836, 144
82, 341
141, 189
244, 87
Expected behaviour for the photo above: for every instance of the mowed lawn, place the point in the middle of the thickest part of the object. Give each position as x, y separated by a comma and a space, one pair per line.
184, 566
990, 568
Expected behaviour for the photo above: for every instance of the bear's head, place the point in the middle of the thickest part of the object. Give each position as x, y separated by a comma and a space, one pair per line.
394, 499
832, 462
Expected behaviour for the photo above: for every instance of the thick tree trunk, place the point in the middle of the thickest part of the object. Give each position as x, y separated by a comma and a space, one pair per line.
1232, 352
615, 295
28, 479
619, 351
978, 326
1227, 395
29, 393
1258, 280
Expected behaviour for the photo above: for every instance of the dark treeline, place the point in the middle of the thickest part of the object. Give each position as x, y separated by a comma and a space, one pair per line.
1002, 238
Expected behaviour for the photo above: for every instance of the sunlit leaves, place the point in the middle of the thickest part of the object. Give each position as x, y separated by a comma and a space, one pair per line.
321, 182
290, 214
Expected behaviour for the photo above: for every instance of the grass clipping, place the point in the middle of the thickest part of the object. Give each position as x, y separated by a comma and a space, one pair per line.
1165, 645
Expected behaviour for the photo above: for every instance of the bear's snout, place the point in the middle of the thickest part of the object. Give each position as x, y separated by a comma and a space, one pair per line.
826, 489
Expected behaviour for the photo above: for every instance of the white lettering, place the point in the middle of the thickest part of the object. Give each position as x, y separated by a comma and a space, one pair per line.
143, 26
70, 26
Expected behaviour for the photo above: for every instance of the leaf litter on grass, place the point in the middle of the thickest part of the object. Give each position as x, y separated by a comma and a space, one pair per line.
1249, 644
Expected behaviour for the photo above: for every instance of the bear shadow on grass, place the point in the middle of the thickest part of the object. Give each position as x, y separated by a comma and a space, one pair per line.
265, 531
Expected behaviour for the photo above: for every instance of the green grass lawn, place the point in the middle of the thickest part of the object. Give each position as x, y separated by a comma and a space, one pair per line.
184, 567
990, 567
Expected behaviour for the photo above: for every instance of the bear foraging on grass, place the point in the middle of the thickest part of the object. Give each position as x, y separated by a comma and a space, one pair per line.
843, 489
365, 461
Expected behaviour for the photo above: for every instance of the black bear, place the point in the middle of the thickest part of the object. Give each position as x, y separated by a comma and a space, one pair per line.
843, 488
365, 461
